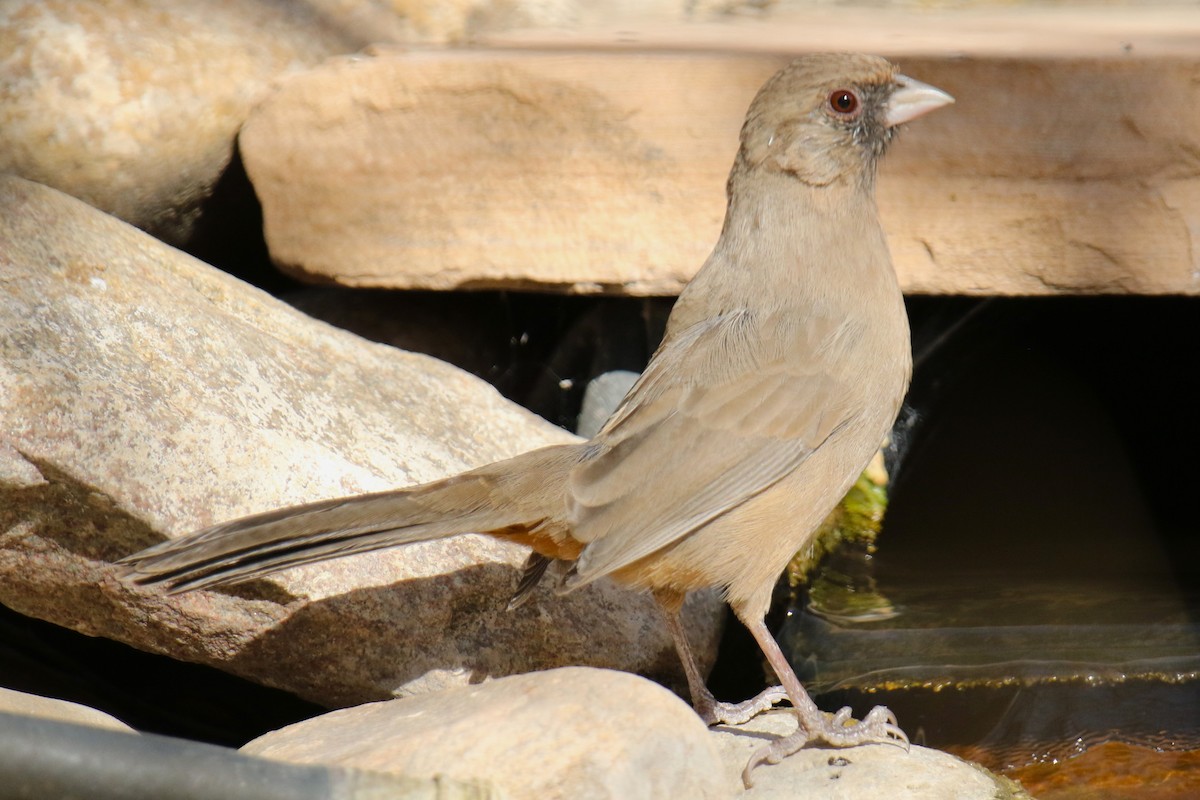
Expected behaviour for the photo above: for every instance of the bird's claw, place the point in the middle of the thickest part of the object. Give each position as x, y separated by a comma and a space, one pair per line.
879, 726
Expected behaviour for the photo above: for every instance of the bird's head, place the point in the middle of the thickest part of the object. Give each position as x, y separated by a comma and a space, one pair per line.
827, 118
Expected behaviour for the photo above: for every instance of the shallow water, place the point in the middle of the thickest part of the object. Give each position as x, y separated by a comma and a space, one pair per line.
1034, 602
1085, 688
992, 630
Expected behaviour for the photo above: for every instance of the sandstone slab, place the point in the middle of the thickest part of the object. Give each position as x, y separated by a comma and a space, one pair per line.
597, 172
985, 28
146, 394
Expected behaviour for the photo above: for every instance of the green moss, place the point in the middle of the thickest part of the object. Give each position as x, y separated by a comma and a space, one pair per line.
857, 519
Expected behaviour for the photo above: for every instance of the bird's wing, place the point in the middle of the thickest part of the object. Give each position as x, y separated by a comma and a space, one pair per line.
725, 409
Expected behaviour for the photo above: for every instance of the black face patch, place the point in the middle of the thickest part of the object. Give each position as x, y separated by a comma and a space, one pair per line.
867, 131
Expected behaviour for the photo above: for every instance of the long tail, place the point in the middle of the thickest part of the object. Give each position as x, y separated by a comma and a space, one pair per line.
521, 492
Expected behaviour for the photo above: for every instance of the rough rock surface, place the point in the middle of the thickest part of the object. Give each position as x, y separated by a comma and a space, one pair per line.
572, 733
134, 106
869, 771
586, 733
146, 394
438, 170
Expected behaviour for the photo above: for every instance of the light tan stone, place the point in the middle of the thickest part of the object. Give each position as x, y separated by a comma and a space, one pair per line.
571, 733
868, 771
453, 171
134, 106
32, 705
145, 395
604, 172
586, 733
905, 28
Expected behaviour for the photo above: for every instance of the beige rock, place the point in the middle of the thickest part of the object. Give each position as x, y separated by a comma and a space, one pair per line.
567, 733
1053, 177
134, 106
604, 172
457, 21
441, 21
868, 771
32, 705
946, 28
586, 733
146, 394
474, 170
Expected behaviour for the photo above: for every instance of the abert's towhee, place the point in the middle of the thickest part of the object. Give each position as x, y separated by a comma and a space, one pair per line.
783, 367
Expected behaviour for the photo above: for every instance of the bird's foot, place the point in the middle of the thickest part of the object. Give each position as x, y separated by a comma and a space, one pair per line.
715, 712
839, 730
879, 726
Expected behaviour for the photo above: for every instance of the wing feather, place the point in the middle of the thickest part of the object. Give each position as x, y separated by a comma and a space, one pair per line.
719, 415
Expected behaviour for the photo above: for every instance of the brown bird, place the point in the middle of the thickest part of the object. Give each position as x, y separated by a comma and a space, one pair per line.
782, 370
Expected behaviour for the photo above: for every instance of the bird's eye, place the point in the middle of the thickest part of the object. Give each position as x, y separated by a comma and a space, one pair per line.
844, 102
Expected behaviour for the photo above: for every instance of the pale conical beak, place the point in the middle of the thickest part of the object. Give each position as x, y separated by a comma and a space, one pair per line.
911, 100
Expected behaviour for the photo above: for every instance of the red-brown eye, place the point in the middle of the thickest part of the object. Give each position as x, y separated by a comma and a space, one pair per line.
843, 101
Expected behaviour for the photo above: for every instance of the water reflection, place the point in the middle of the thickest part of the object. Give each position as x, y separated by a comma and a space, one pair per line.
1024, 678
986, 631
1034, 601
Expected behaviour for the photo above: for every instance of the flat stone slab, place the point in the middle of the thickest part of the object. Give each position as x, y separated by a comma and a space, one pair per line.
604, 172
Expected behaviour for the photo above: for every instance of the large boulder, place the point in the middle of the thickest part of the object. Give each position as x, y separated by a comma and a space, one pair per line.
586, 733
566, 733
134, 106
146, 394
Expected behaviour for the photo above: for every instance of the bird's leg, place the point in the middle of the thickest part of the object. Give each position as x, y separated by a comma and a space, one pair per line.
711, 710
838, 730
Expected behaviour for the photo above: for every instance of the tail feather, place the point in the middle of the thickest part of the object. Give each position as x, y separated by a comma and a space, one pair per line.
515, 493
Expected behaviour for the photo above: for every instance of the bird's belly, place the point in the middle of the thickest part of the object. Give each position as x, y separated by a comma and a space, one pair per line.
745, 550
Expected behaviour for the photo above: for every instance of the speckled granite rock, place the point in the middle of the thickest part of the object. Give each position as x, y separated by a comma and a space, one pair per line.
147, 394
134, 106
